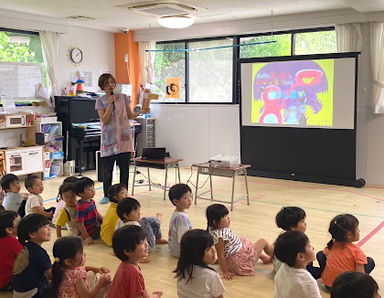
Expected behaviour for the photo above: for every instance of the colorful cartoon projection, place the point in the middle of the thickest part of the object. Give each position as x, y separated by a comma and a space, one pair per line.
293, 92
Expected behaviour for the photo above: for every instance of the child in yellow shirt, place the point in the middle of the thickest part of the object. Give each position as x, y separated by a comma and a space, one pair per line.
67, 215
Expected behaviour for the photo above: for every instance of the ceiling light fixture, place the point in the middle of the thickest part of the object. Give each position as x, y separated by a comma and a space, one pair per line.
176, 21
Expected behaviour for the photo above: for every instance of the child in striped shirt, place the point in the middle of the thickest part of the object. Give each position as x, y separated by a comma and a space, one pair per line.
236, 256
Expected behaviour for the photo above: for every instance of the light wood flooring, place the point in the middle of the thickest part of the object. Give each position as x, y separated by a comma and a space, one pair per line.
321, 203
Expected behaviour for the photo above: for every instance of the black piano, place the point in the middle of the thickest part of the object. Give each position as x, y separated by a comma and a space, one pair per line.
81, 130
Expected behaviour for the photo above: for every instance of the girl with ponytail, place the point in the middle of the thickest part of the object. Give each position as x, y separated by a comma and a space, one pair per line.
341, 254
69, 276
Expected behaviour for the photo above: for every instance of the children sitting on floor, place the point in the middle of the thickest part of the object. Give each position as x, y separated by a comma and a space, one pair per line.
341, 254
70, 278
180, 196
293, 280
60, 203
67, 215
128, 211
194, 276
13, 199
35, 203
32, 267
2, 191
115, 194
236, 256
9, 247
87, 217
130, 246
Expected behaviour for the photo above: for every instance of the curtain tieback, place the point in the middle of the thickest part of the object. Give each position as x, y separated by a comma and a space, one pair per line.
379, 83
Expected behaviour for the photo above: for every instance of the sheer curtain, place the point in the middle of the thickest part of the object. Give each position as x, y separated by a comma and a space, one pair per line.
50, 45
349, 38
147, 63
377, 63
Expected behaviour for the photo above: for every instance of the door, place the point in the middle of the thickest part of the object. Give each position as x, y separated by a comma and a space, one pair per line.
33, 160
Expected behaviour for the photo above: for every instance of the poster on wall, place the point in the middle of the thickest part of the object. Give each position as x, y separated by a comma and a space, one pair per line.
172, 88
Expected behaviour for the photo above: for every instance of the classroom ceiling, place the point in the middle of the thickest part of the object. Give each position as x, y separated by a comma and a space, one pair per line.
111, 16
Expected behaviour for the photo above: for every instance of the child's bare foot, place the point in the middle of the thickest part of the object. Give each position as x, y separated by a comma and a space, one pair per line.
265, 259
161, 241
160, 217
145, 260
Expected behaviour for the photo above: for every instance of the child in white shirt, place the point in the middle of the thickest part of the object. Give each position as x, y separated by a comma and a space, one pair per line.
194, 276
293, 280
181, 197
34, 204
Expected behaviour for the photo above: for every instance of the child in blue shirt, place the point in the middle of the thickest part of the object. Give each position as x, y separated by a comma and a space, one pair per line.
13, 199
32, 267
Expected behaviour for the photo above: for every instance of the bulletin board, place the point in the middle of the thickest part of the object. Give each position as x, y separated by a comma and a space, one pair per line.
18, 80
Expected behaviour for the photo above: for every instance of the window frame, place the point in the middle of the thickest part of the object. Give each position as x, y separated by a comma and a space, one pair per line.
236, 91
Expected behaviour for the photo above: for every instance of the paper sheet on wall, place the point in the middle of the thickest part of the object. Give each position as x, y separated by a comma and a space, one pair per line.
87, 76
172, 88
8, 104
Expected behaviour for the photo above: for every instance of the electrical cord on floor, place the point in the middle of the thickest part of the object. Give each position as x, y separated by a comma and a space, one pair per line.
190, 182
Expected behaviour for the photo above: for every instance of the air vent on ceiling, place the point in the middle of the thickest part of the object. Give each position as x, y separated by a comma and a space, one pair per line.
160, 8
80, 18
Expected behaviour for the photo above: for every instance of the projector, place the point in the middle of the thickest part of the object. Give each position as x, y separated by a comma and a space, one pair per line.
223, 161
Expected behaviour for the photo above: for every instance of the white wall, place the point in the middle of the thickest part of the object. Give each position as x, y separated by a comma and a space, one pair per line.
197, 132
98, 54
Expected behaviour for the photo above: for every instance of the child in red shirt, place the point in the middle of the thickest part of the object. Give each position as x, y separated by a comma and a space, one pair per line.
9, 246
130, 246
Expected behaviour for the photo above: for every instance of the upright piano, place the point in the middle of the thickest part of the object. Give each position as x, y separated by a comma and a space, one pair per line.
81, 129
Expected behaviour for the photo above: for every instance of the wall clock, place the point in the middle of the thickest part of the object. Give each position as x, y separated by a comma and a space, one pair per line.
76, 55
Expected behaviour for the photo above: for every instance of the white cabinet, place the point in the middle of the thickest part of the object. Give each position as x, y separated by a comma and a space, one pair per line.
22, 161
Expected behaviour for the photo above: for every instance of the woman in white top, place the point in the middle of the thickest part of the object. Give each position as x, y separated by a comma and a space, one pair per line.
194, 276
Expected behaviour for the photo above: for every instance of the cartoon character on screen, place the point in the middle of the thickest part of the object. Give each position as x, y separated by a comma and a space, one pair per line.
299, 83
273, 104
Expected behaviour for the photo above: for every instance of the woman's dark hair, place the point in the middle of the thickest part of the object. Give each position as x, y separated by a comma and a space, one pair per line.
125, 206
82, 184
127, 238
30, 224
6, 221
30, 180
6, 181
215, 213
288, 245
64, 248
177, 191
65, 187
192, 248
288, 217
339, 227
103, 79
352, 284
114, 190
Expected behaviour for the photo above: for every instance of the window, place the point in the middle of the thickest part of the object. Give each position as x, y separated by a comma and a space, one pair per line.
210, 71
169, 64
320, 42
280, 47
206, 71
17, 46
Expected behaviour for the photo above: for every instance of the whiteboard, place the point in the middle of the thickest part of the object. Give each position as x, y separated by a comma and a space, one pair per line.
18, 80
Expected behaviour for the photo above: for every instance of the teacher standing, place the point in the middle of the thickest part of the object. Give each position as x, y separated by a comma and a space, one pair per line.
117, 140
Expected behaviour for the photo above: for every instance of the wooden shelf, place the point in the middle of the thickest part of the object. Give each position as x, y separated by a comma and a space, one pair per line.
15, 127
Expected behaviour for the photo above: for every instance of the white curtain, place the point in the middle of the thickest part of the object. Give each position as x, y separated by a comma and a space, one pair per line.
377, 63
50, 45
349, 38
147, 63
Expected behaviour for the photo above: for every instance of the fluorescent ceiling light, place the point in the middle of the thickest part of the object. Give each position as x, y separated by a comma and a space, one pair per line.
176, 21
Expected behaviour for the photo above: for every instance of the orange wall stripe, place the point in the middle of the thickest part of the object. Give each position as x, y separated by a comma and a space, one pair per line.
125, 44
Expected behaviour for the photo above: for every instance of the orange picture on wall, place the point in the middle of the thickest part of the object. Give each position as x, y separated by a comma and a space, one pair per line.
172, 88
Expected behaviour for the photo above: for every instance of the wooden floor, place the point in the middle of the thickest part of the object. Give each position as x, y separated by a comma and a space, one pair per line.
321, 203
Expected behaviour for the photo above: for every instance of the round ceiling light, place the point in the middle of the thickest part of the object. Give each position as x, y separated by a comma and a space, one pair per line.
176, 21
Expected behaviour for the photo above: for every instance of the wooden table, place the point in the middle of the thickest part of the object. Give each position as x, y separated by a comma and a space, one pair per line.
206, 169
168, 162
